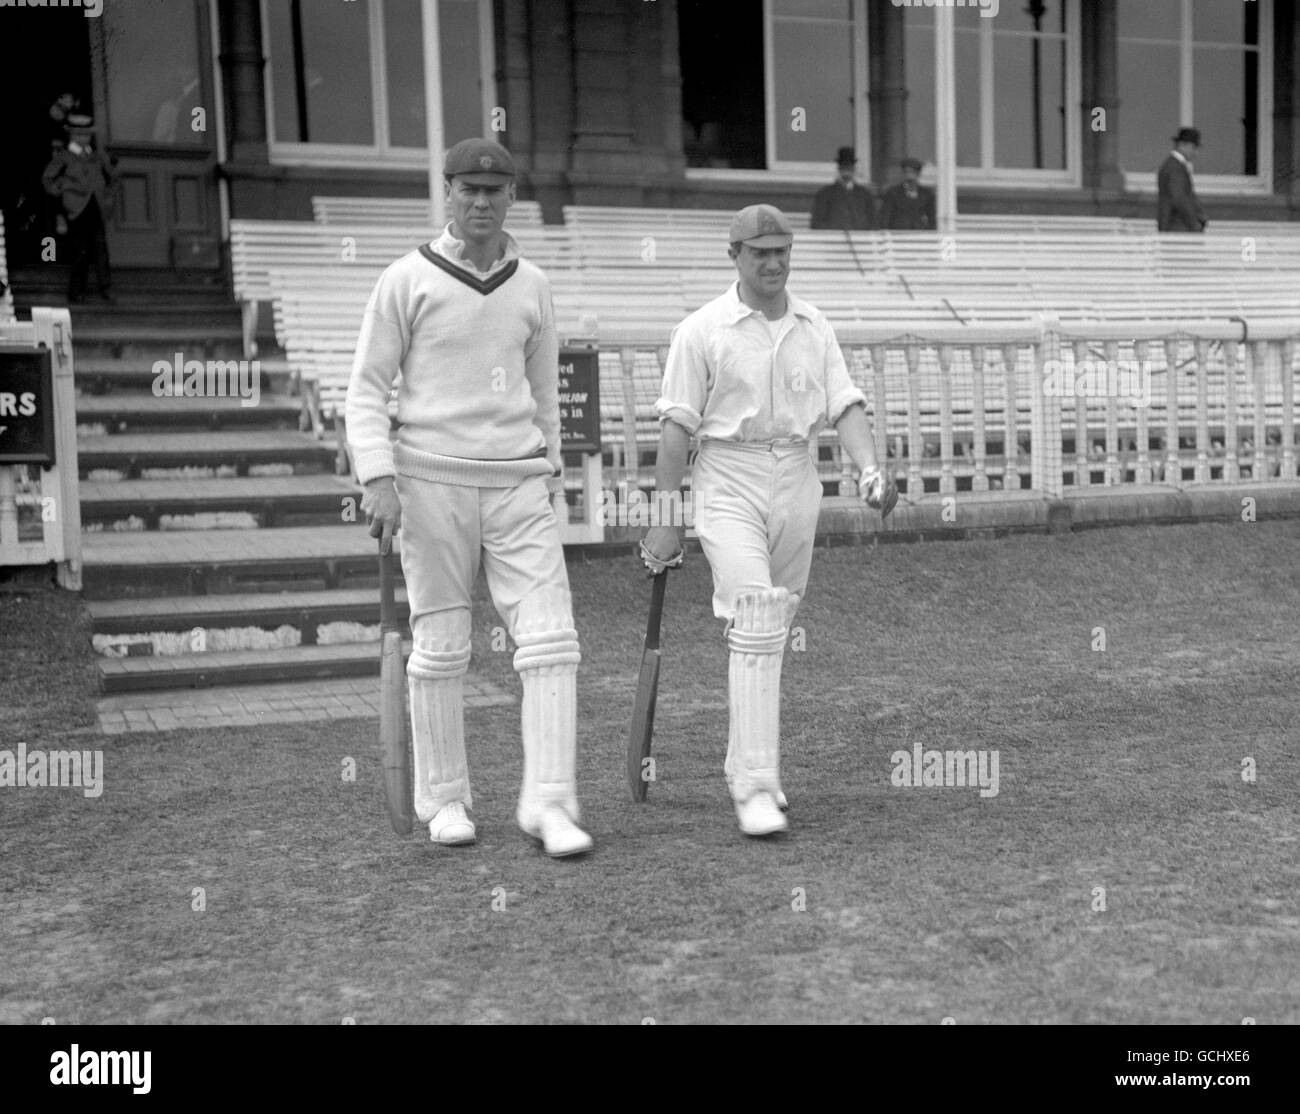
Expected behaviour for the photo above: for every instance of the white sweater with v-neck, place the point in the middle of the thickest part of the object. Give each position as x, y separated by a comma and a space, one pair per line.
478, 401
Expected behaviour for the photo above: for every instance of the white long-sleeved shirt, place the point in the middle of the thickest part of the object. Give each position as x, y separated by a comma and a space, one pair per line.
727, 380
478, 402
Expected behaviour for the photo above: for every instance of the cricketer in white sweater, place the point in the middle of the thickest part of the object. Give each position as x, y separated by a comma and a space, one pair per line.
478, 401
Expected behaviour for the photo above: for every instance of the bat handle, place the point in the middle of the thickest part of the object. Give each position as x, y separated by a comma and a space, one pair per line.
387, 594
656, 610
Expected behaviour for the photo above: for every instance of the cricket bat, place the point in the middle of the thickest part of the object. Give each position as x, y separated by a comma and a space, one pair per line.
394, 741
647, 690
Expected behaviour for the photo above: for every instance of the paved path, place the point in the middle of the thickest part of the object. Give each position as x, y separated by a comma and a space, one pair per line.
254, 705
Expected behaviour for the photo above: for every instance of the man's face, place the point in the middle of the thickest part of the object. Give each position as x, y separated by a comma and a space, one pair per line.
763, 270
911, 175
846, 171
478, 208
1187, 150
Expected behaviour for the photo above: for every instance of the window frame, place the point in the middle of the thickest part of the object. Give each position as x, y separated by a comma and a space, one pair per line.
818, 170
988, 173
361, 155
803, 172
1260, 183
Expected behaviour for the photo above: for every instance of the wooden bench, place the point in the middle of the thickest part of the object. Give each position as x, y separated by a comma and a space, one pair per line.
406, 212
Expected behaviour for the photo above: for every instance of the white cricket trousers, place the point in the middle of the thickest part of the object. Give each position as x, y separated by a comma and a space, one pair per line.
756, 507
447, 530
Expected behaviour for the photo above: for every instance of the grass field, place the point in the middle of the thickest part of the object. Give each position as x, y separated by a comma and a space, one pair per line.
1119, 769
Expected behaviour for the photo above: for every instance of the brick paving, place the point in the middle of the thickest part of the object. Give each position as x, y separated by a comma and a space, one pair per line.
256, 705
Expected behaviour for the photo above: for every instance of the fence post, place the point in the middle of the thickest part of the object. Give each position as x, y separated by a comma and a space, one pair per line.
1288, 409
1045, 431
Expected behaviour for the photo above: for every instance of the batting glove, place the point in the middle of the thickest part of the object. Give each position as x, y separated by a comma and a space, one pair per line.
878, 491
656, 566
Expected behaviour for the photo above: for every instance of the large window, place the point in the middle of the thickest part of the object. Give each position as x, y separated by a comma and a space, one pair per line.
154, 57
1017, 80
816, 71
345, 81
774, 85
1016, 77
1201, 65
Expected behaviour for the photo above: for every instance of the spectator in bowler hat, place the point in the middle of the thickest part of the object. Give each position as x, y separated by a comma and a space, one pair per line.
845, 203
908, 206
1178, 209
81, 177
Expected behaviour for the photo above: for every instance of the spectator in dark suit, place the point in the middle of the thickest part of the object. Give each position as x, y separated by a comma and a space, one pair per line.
1178, 209
81, 177
845, 203
908, 206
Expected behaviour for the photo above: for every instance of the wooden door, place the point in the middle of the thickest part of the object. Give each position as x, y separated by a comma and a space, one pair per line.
153, 73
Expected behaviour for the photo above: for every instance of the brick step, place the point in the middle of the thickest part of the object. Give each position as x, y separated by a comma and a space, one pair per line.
132, 452
235, 667
100, 374
123, 412
272, 499
266, 610
212, 562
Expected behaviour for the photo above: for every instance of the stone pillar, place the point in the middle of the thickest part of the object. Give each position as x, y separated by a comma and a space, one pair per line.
656, 101
242, 62
539, 87
604, 136
1100, 87
887, 93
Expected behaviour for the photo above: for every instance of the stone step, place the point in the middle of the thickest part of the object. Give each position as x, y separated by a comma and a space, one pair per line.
124, 412
235, 667
266, 610
132, 452
274, 500
212, 562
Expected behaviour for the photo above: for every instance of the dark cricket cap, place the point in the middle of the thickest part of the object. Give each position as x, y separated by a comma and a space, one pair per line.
761, 226
480, 161
912, 161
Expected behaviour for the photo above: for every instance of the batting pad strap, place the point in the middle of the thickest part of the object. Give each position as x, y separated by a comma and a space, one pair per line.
437, 665
756, 642
542, 648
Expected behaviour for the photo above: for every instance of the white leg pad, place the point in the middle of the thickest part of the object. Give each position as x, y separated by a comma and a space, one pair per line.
436, 678
757, 637
547, 662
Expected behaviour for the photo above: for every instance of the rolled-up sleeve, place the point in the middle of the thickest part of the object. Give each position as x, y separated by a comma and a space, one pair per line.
685, 387
840, 391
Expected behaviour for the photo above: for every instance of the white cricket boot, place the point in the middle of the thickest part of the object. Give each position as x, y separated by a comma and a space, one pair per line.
452, 827
547, 662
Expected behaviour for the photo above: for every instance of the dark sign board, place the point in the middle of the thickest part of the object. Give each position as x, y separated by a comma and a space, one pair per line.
26, 406
579, 400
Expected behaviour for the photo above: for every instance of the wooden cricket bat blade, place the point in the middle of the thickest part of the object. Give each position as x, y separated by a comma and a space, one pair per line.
641, 733
642, 730
394, 744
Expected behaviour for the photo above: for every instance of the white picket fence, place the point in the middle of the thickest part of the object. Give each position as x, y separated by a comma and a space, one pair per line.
40, 509
1043, 406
